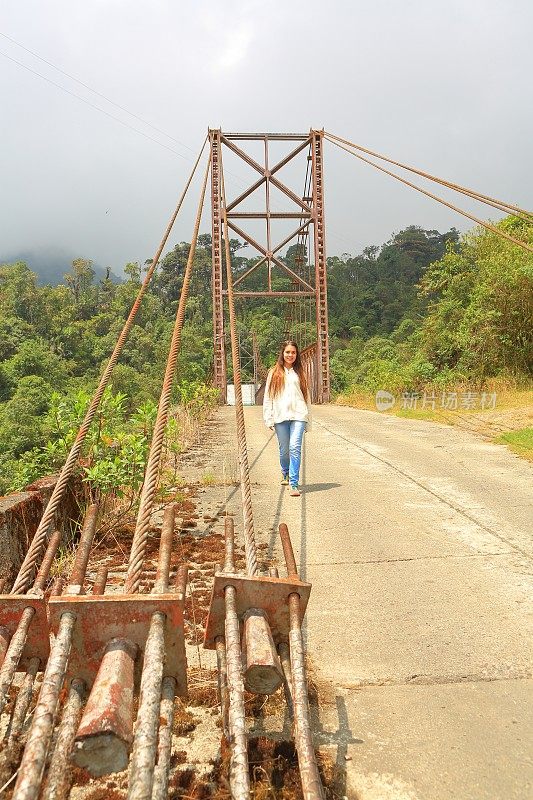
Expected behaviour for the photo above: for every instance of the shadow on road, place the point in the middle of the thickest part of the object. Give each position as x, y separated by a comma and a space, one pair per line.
319, 487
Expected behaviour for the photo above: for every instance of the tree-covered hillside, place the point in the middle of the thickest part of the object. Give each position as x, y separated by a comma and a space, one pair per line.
424, 308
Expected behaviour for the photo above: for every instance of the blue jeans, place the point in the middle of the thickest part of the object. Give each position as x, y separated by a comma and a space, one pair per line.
290, 434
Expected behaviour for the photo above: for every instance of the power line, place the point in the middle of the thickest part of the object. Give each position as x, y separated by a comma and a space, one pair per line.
94, 91
236, 178
96, 108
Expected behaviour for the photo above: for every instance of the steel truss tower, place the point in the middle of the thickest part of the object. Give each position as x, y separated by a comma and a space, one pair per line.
309, 213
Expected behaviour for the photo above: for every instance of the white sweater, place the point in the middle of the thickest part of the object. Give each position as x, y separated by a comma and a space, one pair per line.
289, 404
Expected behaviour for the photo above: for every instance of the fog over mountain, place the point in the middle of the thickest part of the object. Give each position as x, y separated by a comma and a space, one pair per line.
51, 264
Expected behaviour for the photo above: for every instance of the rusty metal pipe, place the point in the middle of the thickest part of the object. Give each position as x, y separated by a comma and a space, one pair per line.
311, 783
165, 550
288, 552
83, 551
58, 779
33, 761
46, 564
100, 581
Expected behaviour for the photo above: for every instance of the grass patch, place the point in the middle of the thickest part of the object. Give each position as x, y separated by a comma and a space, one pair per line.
506, 399
520, 442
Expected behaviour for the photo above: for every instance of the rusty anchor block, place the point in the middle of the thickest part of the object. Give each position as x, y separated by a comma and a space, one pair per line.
262, 605
108, 639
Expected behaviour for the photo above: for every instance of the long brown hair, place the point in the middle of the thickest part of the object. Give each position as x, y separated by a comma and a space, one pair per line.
277, 376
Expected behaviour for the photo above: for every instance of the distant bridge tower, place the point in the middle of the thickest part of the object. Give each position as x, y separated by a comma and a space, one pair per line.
308, 283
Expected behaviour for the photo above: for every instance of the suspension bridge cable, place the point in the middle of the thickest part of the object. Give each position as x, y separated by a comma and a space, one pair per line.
142, 527
527, 216
24, 576
441, 200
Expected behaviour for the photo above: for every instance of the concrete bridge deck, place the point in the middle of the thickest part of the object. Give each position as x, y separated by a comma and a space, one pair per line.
417, 539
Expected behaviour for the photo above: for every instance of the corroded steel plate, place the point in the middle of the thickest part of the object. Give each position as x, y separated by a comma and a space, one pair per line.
269, 594
100, 618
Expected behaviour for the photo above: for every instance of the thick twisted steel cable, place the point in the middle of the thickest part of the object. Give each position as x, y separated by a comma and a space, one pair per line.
246, 491
508, 208
24, 576
140, 537
441, 200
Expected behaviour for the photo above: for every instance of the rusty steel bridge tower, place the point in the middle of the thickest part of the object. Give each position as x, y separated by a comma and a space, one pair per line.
307, 210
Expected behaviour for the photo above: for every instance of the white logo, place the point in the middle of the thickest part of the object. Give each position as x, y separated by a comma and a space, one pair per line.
384, 400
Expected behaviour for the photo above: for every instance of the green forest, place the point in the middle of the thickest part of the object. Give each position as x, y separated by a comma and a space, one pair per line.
424, 309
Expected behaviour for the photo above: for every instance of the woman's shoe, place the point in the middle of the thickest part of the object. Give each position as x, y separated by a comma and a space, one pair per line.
284, 480
294, 492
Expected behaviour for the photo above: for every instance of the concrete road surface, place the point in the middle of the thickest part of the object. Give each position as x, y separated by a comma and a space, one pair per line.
417, 540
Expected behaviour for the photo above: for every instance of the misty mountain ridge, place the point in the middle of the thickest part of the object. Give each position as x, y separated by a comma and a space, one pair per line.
52, 263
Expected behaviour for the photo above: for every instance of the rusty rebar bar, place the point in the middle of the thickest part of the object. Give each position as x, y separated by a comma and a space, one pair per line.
57, 587
222, 682
140, 537
164, 747
13, 654
244, 469
285, 660
58, 779
239, 775
165, 550
23, 701
32, 556
33, 761
83, 551
229, 545
100, 580
40, 734
143, 757
43, 573
311, 783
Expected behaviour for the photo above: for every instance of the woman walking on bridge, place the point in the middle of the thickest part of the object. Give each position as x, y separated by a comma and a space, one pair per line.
286, 409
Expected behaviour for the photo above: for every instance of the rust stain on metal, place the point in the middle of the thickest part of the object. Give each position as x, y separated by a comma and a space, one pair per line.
38, 639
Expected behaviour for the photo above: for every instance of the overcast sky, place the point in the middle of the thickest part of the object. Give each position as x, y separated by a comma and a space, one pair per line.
444, 85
